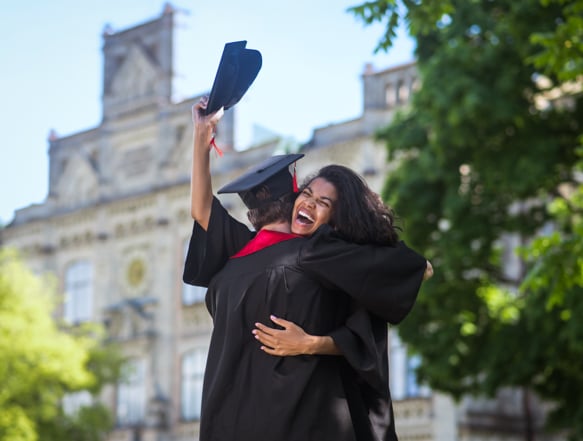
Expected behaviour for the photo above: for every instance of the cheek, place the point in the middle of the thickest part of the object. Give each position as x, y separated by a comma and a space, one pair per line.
299, 198
324, 216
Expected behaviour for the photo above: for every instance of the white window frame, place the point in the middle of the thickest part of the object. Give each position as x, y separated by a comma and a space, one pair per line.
78, 292
74, 401
403, 378
390, 96
192, 369
131, 393
191, 294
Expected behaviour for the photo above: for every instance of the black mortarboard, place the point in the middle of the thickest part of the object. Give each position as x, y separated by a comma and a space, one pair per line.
265, 182
237, 70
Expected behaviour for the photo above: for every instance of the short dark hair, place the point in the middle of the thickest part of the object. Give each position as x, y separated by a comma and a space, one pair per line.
359, 214
279, 210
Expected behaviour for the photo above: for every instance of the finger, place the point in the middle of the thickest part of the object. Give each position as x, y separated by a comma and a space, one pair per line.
265, 329
281, 322
198, 112
270, 351
266, 342
265, 338
217, 115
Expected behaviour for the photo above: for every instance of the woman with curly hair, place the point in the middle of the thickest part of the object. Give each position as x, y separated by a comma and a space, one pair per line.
359, 216
323, 284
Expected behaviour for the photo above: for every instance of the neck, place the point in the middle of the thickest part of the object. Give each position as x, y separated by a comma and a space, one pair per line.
281, 227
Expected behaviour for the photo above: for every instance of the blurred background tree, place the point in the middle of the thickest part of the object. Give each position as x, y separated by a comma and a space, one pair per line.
42, 363
490, 157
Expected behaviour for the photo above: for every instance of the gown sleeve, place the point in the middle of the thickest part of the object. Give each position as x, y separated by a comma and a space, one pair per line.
383, 279
362, 340
209, 250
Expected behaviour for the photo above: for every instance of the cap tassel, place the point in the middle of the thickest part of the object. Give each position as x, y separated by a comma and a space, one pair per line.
295, 180
216, 147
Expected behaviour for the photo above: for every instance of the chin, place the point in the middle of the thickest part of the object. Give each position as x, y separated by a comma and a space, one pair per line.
302, 230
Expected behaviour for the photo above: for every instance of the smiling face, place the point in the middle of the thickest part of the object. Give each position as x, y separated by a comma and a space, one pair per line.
313, 207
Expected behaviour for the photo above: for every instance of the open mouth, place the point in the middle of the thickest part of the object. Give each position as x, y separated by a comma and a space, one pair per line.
304, 218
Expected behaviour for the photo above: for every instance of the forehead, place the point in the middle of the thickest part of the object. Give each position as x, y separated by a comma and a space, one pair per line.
323, 189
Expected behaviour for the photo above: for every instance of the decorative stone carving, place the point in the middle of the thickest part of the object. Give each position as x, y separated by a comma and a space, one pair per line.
135, 272
136, 76
132, 319
197, 318
78, 185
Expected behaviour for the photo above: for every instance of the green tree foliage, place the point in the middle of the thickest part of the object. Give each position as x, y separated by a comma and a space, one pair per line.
562, 53
484, 158
40, 362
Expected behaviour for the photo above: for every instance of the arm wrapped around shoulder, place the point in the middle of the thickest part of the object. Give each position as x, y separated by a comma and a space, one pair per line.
383, 279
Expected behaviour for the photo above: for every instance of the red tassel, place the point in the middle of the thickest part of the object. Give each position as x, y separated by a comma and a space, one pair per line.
216, 147
295, 180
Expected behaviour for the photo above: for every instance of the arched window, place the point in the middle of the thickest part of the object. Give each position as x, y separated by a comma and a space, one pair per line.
193, 364
191, 294
78, 292
131, 393
403, 368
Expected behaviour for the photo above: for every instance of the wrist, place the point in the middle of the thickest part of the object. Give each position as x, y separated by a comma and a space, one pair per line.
203, 135
324, 345
314, 344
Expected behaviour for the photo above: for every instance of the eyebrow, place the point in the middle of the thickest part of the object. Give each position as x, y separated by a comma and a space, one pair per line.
321, 197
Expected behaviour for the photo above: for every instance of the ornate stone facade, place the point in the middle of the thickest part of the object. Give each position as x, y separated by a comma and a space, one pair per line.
117, 218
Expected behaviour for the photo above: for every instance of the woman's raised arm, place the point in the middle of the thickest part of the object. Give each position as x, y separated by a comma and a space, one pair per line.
201, 190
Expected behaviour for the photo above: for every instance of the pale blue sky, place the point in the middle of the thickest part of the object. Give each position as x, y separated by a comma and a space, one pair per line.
313, 55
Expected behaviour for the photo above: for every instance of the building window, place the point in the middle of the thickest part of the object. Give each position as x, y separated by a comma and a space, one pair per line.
390, 96
72, 402
402, 93
131, 394
403, 368
193, 364
412, 386
191, 294
414, 85
78, 292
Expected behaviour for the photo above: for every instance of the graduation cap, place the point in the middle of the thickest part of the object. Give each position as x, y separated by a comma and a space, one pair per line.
265, 182
237, 70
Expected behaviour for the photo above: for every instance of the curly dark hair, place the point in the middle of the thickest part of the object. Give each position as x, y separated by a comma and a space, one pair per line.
279, 210
359, 214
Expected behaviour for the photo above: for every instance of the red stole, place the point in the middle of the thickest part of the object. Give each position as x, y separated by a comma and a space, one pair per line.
263, 239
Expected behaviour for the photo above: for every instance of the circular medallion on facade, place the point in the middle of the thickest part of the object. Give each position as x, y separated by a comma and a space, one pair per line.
136, 272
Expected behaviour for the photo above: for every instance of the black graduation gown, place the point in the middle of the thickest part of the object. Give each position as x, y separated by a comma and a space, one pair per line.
250, 395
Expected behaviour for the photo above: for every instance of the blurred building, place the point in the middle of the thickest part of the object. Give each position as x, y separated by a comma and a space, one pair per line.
116, 222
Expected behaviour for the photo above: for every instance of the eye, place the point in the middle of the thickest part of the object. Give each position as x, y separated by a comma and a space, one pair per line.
323, 203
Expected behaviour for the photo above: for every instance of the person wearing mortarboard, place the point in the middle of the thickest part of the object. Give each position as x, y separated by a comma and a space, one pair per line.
247, 393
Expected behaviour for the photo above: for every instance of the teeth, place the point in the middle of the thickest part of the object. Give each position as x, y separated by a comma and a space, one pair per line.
306, 215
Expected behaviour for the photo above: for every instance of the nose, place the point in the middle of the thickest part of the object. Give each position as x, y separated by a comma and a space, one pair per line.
310, 202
